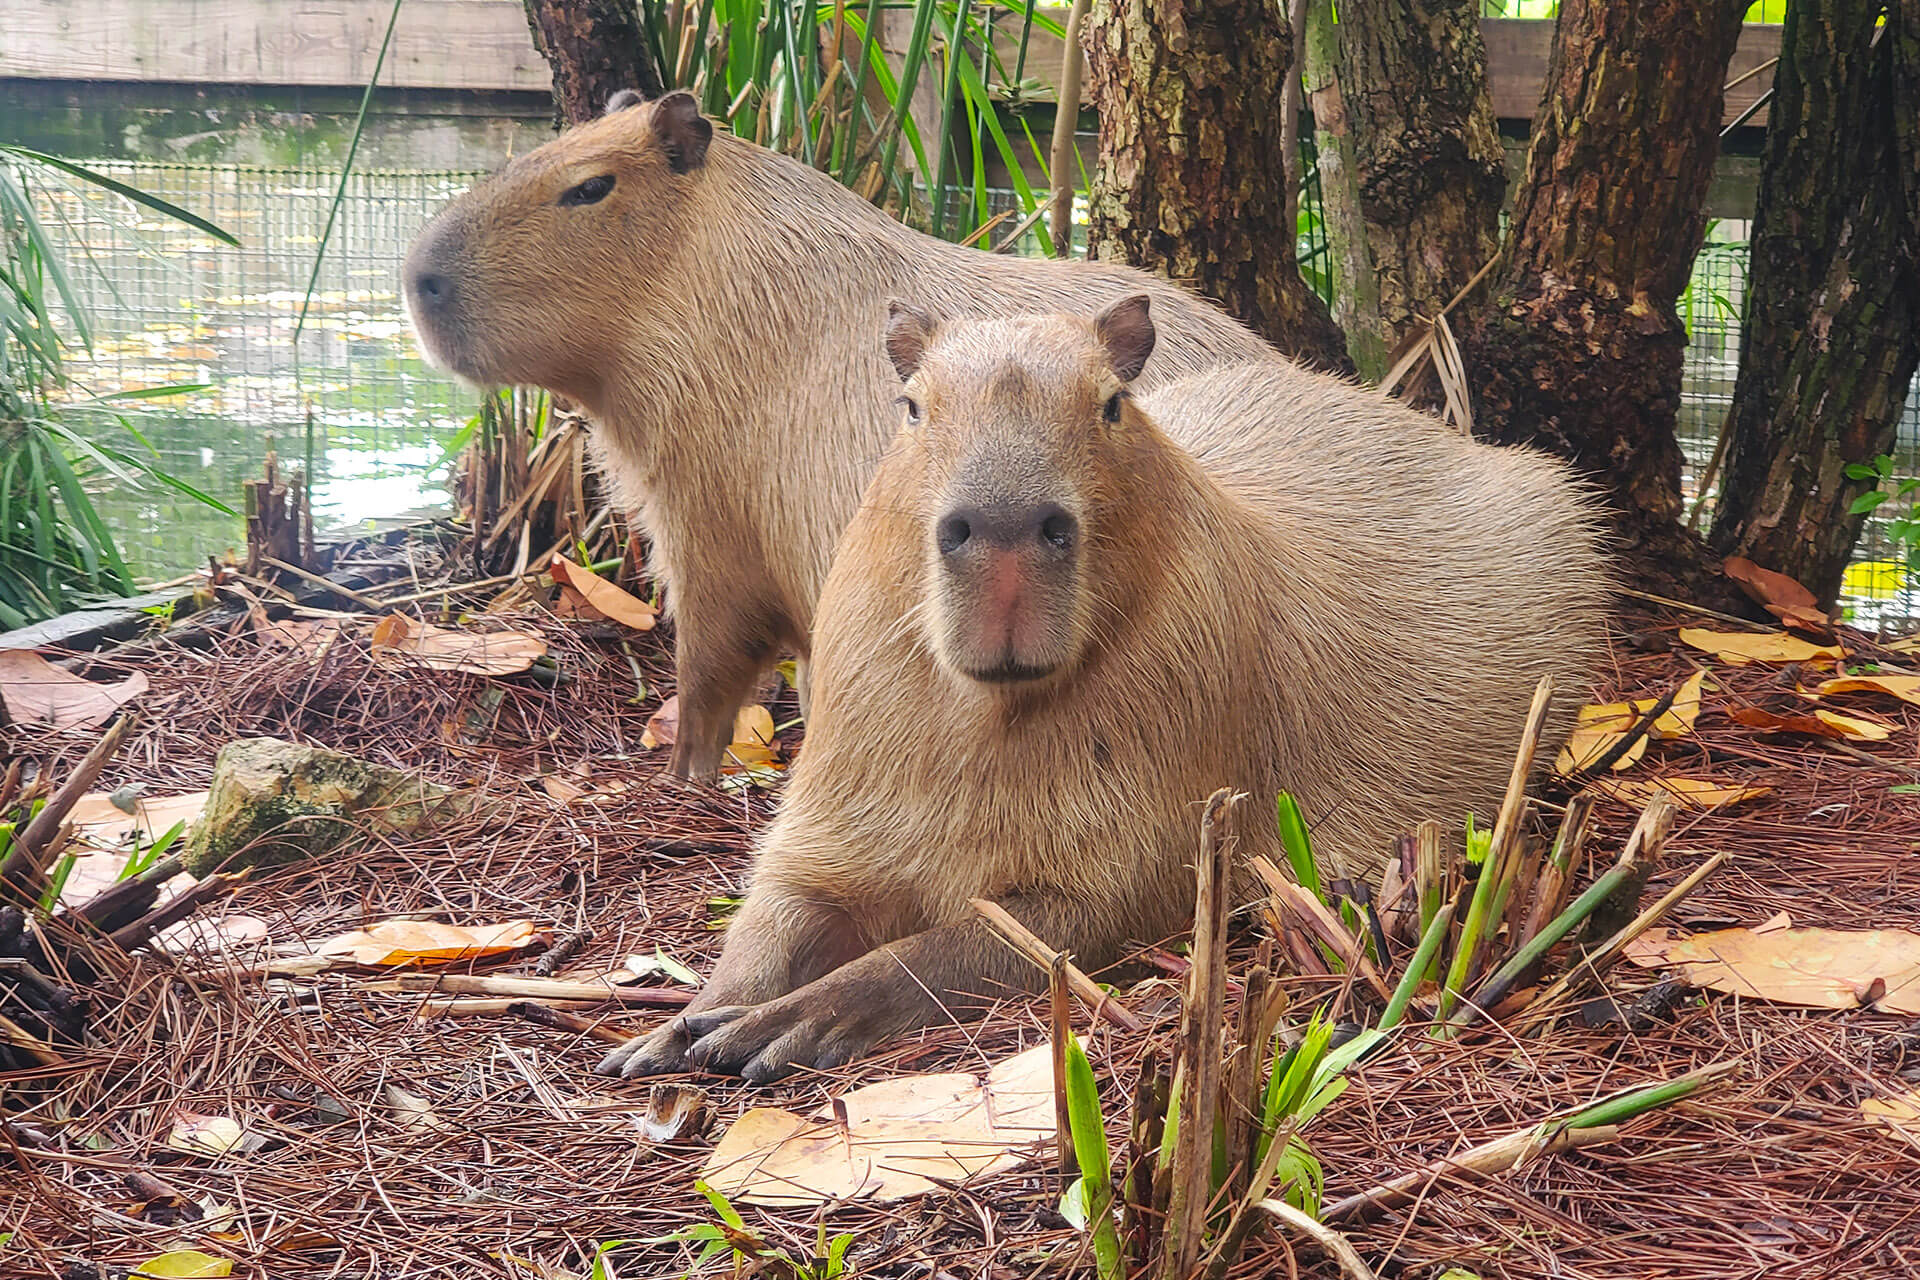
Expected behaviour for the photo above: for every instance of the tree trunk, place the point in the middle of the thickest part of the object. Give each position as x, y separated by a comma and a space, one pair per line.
1579, 349
1829, 347
596, 48
1411, 169
1191, 158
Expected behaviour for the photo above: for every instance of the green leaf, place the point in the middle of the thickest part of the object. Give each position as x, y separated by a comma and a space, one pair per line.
134, 194
1083, 1114
721, 1205
1904, 789
1298, 846
1859, 471
1867, 502
1073, 1204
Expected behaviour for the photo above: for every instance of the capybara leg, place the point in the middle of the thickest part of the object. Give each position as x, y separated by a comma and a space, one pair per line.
716, 673
952, 972
778, 942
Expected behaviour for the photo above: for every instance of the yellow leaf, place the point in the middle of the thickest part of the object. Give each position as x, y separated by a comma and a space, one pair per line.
901, 1137
1902, 1112
607, 597
1678, 720
205, 1135
1855, 727
1905, 688
1740, 648
1821, 724
183, 1264
399, 942
1694, 793
1910, 644
491, 653
1819, 968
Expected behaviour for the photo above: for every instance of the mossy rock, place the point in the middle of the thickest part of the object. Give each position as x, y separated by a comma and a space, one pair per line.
274, 802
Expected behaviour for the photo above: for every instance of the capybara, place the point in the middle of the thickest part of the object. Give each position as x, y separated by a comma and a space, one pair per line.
1062, 617
716, 309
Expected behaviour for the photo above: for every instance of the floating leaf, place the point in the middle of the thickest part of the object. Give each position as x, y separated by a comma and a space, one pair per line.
34, 691
401, 942
1905, 688
1693, 793
182, 1264
1821, 724
1820, 968
205, 1135
492, 653
1740, 648
607, 598
902, 1137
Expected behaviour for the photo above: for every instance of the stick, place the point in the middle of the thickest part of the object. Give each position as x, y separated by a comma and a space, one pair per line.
39, 1050
1332, 1241
468, 984
1700, 609
1200, 1036
1066, 116
365, 602
141, 931
547, 1015
1028, 944
1496, 1156
33, 847
490, 1006
1636, 731
1061, 1026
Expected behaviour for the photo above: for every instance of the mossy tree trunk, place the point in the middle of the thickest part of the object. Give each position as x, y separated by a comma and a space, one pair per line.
1411, 169
1189, 177
1829, 347
596, 48
1579, 348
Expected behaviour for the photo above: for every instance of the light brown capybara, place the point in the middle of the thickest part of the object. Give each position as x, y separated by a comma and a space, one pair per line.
716, 309
1063, 617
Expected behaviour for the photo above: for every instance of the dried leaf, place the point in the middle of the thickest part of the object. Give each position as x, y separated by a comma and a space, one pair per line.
492, 653
753, 742
308, 637
402, 942
34, 691
663, 726
606, 598
414, 1113
1910, 644
1807, 621
1764, 586
901, 1138
1602, 725
100, 822
1905, 688
182, 1264
1693, 793
205, 1135
1821, 724
1819, 968
1740, 648
1899, 1113
676, 1113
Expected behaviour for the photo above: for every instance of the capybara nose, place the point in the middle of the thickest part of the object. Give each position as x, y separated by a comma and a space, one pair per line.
431, 289
1008, 527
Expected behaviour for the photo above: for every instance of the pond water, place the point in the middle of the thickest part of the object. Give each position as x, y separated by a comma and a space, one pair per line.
172, 306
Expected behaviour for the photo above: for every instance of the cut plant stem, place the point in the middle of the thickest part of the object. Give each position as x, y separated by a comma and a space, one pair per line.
1556, 877
24, 867
1313, 913
1028, 944
1423, 957
1351, 1264
1492, 1157
1200, 1041
1061, 1027
1499, 863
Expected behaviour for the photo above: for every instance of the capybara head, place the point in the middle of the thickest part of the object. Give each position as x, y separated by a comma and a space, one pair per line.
1017, 427
530, 277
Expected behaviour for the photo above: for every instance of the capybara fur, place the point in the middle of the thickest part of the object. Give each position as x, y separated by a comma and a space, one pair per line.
716, 309
1064, 616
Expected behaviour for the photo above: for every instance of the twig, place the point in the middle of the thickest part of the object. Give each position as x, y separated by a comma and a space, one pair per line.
141, 931
1702, 610
33, 848
1023, 940
1326, 1237
1060, 1024
364, 601
1066, 118
467, 984
547, 1015
1636, 731
39, 1050
1497, 1156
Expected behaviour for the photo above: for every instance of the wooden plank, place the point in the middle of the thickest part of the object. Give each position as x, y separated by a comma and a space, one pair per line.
437, 44
1517, 52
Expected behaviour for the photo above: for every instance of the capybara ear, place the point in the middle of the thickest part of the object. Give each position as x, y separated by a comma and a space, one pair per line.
622, 100
682, 130
1126, 331
908, 329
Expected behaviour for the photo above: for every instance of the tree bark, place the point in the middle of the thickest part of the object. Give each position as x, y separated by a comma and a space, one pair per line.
1191, 157
596, 48
1411, 170
1579, 348
1829, 347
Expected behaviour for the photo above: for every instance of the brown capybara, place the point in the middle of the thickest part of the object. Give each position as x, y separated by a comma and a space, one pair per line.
1063, 617
716, 310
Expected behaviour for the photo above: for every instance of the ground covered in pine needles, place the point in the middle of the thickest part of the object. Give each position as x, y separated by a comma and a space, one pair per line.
513, 1160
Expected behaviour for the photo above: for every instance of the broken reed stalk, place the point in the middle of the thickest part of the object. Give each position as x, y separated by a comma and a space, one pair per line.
1591, 966
24, 868
557, 1019
1226, 1249
1498, 862
1594, 1123
1260, 1008
1556, 877
1423, 958
1200, 1040
1336, 1246
1060, 1025
1314, 915
1029, 944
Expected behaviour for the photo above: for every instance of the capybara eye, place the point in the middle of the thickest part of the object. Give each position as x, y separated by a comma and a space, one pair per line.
912, 407
1058, 529
1111, 410
952, 534
592, 191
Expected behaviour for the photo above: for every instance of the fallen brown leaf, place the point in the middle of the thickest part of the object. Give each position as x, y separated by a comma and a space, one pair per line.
1740, 648
1905, 688
1821, 724
606, 598
663, 726
492, 653
402, 942
1693, 793
34, 691
1766, 587
901, 1138
1819, 968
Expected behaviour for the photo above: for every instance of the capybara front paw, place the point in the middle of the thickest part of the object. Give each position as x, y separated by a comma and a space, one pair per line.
770, 1041
658, 1053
